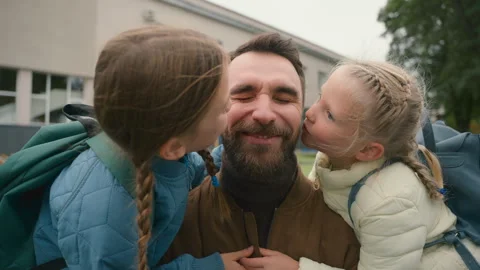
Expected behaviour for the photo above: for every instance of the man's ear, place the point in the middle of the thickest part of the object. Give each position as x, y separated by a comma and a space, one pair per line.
173, 149
372, 151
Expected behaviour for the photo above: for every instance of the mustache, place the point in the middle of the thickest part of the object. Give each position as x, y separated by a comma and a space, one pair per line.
270, 130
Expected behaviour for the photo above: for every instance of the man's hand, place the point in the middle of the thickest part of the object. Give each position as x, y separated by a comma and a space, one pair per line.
230, 260
272, 260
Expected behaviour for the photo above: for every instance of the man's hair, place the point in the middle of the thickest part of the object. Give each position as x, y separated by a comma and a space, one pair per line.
274, 43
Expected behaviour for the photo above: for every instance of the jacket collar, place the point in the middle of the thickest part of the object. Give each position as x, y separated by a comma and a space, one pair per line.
341, 179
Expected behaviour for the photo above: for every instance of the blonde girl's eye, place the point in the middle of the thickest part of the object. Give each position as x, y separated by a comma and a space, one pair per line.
330, 116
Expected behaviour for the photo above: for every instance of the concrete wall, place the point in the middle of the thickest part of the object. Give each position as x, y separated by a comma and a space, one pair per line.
116, 16
48, 35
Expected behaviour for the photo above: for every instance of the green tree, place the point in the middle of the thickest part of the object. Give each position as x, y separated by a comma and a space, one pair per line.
441, 38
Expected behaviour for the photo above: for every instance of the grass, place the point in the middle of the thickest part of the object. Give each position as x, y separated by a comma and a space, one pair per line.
306, 159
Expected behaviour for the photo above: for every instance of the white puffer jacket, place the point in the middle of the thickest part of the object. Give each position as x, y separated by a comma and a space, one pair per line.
393, 217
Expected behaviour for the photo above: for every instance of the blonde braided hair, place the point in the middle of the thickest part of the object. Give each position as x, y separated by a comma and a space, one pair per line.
393, 109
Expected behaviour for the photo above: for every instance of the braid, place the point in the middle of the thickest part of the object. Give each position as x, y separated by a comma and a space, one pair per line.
386, 106
221, 201
384, 99
389, 106
424, 176
211, 168
422, 172
144, 190
407, 86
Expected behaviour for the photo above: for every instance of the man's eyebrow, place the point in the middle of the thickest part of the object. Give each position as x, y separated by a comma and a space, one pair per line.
241, 89
287, 90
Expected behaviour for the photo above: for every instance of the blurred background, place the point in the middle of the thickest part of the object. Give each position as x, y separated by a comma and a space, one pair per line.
48, 48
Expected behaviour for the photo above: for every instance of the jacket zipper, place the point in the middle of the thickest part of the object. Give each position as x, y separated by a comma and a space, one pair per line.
245, 228
270, 229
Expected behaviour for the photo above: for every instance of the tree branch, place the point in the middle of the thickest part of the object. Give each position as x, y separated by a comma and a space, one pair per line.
467, 24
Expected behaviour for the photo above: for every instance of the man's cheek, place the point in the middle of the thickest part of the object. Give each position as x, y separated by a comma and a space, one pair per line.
233, 116
293, 119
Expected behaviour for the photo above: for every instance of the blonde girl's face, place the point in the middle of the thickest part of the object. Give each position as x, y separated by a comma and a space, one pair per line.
332, 122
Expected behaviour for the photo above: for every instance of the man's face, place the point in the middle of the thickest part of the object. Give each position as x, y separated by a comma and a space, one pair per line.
263, 123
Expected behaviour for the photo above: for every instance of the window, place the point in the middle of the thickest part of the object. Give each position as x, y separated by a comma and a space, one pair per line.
322, 78
50, 93
8, 93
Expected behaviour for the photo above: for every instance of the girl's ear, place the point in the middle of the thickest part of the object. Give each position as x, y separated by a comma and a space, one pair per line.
173, 149
372, 151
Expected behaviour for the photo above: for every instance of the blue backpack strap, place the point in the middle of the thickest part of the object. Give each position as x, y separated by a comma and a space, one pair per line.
356, 188
428, 136
112, 157
115, 160
454, 238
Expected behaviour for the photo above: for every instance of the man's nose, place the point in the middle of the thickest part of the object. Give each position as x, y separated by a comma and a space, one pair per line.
263, 112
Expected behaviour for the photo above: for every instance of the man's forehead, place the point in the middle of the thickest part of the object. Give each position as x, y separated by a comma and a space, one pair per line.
263, 67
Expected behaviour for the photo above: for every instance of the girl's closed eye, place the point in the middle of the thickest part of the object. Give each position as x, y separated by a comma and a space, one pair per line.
330, 116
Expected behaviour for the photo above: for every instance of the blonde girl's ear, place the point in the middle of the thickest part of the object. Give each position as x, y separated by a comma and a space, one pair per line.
372, 151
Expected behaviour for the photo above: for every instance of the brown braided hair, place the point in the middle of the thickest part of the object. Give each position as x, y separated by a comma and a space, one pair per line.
393, 111
151, 84
220, 200
209, 164
144, 191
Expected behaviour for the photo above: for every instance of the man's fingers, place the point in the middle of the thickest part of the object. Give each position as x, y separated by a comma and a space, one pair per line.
239, 267
253, 262
237, 255
269, 252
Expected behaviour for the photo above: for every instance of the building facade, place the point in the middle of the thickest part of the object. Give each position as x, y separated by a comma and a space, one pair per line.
49, 47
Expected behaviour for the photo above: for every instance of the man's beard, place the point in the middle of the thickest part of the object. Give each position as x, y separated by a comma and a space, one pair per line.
260, 162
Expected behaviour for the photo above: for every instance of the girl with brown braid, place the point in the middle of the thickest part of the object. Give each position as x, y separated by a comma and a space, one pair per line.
160, 95
369, 113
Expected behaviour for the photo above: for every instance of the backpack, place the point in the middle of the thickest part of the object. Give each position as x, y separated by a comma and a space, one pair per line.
28, 173
459, 156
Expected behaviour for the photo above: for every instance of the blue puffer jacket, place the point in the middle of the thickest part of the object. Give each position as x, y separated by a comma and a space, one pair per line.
88, 217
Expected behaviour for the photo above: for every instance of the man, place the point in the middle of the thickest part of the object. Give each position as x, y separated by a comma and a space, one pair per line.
264, 200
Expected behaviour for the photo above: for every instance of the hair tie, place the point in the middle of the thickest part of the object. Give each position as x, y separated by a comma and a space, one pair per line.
215, 182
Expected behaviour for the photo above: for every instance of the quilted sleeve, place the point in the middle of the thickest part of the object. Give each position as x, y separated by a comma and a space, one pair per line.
391, 235
213, 262
188, 240
198, 165
93, 232
217, 156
